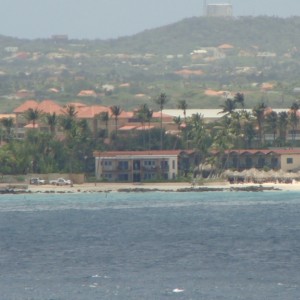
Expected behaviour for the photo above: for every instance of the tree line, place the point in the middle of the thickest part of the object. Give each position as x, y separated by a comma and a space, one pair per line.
44, 151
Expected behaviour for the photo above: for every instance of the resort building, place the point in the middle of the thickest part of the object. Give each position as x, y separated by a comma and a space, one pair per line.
287, 160
136, 166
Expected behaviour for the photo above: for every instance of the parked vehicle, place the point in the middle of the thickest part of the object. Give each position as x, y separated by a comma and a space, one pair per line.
37, 180
60, 181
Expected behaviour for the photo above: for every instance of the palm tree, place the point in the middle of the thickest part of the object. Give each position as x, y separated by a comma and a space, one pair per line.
149, 114
71, 111
283, 120
104, 117
116, 111
272, 122
52, 121
8, 124
142, 116
183, 105
249, 134
228, 107
239, 99
259, 114
32, 115
177, 121
294, 119
161, 101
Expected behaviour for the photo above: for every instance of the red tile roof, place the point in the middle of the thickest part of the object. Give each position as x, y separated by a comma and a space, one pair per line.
127, 128
126, 115
25, 106
87, 93
50, 107
46, 106
89, 112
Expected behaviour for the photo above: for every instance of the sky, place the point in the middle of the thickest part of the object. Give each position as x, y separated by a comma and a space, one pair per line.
107, 19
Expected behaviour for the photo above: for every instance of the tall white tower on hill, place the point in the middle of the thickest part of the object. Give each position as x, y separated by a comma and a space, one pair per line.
217, 9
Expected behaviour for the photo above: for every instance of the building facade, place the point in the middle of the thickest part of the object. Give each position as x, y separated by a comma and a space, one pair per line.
219, 10
287, 160
137, 166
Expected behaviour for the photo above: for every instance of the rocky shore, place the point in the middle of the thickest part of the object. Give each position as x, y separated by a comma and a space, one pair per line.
145, 187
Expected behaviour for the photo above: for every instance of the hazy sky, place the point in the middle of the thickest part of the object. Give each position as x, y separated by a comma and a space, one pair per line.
114, 18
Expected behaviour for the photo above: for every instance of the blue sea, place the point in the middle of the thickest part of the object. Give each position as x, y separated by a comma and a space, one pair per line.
153, 245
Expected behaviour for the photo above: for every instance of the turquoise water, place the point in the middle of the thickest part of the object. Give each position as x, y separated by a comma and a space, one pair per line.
209, 245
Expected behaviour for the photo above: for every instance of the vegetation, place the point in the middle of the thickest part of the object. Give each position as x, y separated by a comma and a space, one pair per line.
259, 62
264, 50
44, 152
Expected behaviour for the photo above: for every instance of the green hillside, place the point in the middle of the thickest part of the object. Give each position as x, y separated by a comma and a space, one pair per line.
265, 50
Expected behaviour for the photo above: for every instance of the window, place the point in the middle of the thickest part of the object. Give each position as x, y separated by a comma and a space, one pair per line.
149, 176
164, 165
289, 160
123, 177
123, 165
149, 164
107, 162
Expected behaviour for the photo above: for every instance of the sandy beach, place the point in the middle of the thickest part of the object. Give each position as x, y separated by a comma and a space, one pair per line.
171, 187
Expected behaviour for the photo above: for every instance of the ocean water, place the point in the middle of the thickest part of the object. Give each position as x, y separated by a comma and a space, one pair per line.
209, 245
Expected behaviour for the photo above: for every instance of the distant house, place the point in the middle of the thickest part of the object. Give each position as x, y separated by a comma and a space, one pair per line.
136, 166
87, 93
46, 106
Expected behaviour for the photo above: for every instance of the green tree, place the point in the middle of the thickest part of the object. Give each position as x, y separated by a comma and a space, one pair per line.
283, 120
182, 104
239, 99
52, 121
294, 120
259, 113
32, 115
228, 107
141, 114
149, 114
116, 111
272, 122
161, 100
8, 124
104, 117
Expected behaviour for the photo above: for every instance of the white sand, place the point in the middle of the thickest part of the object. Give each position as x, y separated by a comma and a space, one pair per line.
107, 187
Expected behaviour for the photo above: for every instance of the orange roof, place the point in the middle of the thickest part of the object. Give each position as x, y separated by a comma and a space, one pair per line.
225, 46
126, 114
127, 128
87, 93
25, 106
213, 93
89, 112
30, 125
50, 107
77, 104
46, 106
267, 86
187, 72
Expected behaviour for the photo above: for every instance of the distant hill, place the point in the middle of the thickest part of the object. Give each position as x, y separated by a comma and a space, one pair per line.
264, 50
267, 33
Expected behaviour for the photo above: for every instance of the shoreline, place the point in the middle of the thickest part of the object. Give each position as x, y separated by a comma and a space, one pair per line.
147, 187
